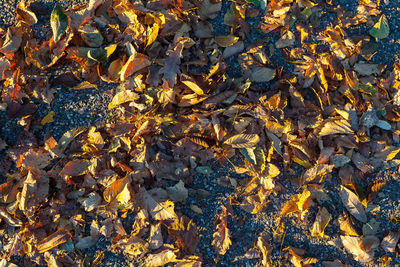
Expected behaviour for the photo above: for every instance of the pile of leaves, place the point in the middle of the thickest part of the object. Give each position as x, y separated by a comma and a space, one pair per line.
176, 110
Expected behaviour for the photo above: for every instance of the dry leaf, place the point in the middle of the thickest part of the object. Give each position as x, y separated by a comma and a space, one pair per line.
243, 140
221, 238
353, 204
336, 127
390, 241
352, 245
321, 221
53, 240
287, 39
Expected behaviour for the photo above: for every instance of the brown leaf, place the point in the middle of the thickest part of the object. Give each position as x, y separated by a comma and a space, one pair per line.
75, 168
390, 241
172, 63
263, 244
226, 40
353, 204
135, 63
260, 75
287, 39
53, 240
317, 173
158, 210
221, 238
346, 226
321, 221
25, 15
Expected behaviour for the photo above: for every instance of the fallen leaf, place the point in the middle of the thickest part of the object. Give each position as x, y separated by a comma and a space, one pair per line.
58, 22
353, 204
287, 39
336, 127
321, 222
221, 237
260, 75
390, 241
243, 140
226, 40
48, 118
381, 29
194, 87
57, 238
178, 192
352, 245
75, 168
122, 97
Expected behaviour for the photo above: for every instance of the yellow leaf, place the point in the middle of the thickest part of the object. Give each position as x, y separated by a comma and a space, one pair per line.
85, 85
125, 195
194, 87
226, 40
48, 118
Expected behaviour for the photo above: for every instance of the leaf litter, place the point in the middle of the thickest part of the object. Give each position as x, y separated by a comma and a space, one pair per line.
319, 131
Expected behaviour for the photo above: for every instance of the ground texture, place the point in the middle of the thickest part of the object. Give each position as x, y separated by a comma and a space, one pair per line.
199, 133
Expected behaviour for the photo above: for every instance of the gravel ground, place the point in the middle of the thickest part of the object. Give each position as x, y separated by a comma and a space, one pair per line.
75, 108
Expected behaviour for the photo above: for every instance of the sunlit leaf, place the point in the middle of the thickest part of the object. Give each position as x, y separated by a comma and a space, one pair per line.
381, 28
58, 22
352, 204
243, 140
57, 238
48, 118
